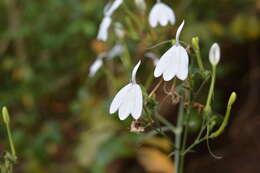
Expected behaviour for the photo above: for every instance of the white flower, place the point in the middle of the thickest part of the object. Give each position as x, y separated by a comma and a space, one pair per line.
214, 54
106, 21
174, 62
140, 4
153, 57
161, 14
114, 52
103, 28
96, 65
119, 30
129, 99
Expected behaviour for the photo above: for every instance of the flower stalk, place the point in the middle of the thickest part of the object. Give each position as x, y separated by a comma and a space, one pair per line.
207, 108
196, 48
9, 133
178, 137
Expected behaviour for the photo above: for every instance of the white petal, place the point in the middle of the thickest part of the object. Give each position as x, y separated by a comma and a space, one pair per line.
134, 71
115, 51
141, 5
153, 16
179, 32
124, 109
103, 29
172, 65
119, 30
113, 7
152, 56
95, 67
163, 62
119, 98
183, 63
136, 102
163, 19
214, 54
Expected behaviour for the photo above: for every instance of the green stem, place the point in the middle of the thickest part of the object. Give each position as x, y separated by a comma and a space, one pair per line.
199, 61
166, 123
178, 134
207, 108
9, 133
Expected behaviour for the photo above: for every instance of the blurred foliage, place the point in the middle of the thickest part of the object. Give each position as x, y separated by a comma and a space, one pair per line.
46, 46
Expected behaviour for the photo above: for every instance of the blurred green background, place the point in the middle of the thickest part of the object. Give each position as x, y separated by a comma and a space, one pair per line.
60, 116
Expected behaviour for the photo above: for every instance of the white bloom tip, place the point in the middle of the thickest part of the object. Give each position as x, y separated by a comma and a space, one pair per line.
134, 71
179, 32
214, 54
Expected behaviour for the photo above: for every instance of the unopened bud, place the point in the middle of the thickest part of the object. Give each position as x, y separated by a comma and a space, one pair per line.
5, 115
232, 98
214, 54
195, 42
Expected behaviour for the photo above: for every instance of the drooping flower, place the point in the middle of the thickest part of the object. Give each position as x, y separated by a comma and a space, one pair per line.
141, 5
119, 30
174, 62
129, 99
114, 52
161, 14
96, 65
103, 28
153, 57
214, 54
106, 21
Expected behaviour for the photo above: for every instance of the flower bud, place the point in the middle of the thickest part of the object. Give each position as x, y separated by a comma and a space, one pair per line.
5, 115
214, 54
232, 98
195, 42
119, 30
140, 4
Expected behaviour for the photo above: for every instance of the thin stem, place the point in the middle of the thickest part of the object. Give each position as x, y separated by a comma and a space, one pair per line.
167, 123
199, 61
207, 108
9, 133
194, 144
178, 134
155, 88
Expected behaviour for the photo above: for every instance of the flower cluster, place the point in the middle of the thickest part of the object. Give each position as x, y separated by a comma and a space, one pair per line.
173, 63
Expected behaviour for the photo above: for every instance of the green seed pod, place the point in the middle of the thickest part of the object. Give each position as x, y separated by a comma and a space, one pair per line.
193, 120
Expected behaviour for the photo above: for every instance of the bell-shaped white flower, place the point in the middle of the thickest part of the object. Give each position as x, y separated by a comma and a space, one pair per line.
214, 54
161, 14
119, 30
129, 99
174, 62
103, 28
106, 21
96, 65
141, 5
153, 57
117, 50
